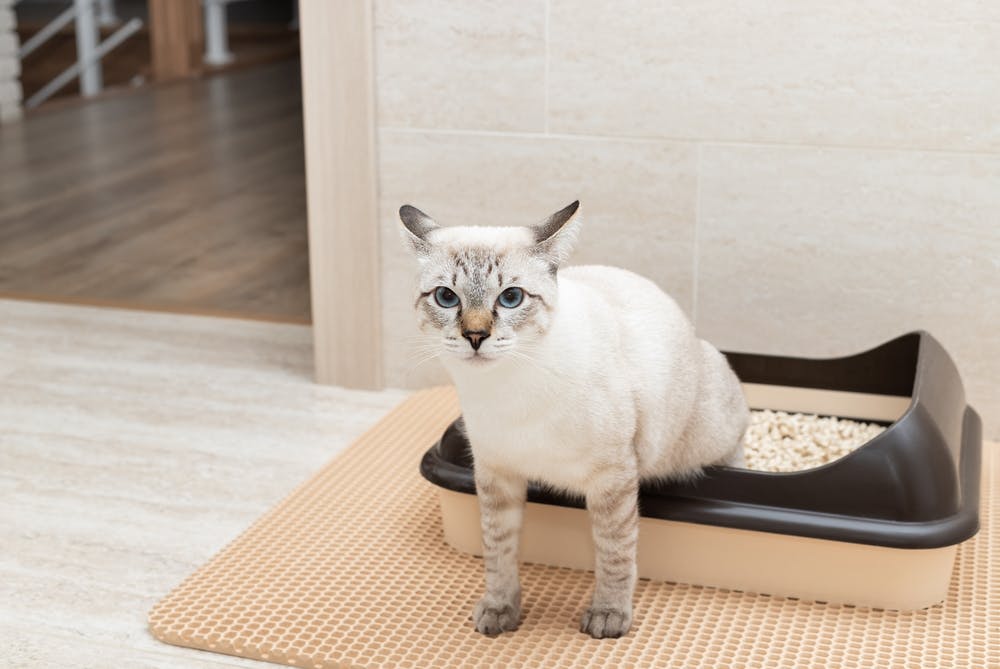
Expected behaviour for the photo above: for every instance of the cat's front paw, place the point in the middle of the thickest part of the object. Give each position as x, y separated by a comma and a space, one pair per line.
492, 618
605, 623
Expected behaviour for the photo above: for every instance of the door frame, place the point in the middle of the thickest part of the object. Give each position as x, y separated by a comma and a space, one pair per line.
338, 103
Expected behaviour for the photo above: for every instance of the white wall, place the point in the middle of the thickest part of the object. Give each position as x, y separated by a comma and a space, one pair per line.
804, 177
10, 65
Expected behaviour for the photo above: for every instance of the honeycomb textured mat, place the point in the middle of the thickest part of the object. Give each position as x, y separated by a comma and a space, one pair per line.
351, 570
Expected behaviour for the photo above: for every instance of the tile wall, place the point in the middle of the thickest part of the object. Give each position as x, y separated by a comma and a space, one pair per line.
803, 177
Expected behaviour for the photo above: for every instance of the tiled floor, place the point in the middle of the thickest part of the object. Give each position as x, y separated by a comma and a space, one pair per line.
134, 445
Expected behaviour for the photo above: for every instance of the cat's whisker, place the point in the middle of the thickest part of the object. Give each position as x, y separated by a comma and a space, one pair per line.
420, 341
420, 348
427, 358
534, 362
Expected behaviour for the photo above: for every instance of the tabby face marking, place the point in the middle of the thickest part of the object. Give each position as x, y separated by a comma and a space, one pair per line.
476, 274
478, 264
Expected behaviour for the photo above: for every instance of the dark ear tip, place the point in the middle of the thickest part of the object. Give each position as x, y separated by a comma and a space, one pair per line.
571, 209
412, 216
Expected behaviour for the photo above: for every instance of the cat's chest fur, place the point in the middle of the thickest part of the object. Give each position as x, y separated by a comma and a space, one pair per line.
549, 430
557, 450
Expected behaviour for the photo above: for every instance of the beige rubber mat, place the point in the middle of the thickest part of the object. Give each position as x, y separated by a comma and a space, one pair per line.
351, 570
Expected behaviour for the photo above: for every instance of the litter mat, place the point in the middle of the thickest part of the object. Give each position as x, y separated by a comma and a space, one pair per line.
353, 570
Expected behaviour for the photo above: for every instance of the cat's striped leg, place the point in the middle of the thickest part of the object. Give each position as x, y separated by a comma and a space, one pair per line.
501, 506
612, 502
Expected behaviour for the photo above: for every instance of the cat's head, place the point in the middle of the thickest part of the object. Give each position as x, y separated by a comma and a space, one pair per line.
487, 293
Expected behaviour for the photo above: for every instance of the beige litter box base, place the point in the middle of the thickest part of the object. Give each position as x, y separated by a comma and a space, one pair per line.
813, 569
351, 570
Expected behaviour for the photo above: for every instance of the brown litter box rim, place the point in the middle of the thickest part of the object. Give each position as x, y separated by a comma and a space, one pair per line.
724, 497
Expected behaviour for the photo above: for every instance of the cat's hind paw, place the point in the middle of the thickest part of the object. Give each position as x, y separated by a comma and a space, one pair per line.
491, 619
605, 623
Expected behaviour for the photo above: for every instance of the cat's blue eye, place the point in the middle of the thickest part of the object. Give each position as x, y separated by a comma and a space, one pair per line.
445, 297
510, 298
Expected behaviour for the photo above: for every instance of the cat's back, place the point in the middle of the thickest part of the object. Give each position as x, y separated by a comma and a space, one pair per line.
630, 296
682, 388
628, 318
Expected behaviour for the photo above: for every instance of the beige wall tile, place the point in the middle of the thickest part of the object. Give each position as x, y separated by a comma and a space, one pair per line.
638, 204
817, 252
895, 73
465, 65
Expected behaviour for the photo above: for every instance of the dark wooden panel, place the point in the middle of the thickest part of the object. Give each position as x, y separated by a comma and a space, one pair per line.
176, 41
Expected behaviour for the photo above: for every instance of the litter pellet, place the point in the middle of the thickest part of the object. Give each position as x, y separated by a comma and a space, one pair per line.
778, 441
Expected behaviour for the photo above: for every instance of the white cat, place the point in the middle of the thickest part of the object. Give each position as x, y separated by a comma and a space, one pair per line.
587, 379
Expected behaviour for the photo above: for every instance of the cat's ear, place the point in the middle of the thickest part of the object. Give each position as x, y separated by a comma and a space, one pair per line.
554, 238
416, 226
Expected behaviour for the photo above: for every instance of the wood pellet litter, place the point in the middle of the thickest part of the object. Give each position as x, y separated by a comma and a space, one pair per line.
777, 441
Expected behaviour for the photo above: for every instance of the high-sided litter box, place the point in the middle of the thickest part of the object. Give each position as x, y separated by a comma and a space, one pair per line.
879, 527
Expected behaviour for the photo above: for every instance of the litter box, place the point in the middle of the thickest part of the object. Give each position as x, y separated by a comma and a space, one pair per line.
879, 527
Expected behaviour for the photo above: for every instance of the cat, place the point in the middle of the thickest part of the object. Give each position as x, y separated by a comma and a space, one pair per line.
586, 379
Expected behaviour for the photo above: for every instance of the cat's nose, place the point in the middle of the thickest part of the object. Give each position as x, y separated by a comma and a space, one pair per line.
475, 337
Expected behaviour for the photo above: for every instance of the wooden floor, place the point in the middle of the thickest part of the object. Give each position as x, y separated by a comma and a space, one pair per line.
136, 445
188, 196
